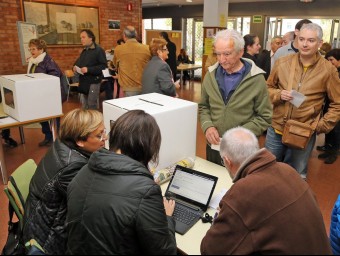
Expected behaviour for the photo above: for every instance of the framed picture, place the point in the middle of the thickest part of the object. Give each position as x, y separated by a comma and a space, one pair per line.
114, 24
60, 24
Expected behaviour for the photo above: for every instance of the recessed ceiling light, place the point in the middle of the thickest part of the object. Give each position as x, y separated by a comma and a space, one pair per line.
188, 1
306, 1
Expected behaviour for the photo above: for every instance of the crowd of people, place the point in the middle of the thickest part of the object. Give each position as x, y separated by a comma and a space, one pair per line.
85, 199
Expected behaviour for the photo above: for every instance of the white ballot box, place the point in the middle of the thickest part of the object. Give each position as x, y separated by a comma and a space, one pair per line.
176, 118
31, 96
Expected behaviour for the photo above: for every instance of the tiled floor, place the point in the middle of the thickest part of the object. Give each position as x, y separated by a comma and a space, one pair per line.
323, 179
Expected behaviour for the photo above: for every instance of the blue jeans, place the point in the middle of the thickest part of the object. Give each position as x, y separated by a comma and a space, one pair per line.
296, 158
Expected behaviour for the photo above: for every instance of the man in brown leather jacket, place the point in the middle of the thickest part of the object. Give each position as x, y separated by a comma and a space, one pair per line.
314, 77
130, 59
269, 210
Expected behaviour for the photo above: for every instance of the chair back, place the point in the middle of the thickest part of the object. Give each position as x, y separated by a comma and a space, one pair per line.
18, 187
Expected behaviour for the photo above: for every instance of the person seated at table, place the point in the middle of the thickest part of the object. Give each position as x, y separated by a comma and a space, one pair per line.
114, 205
183, 58
269, 209
81, 133
157, 75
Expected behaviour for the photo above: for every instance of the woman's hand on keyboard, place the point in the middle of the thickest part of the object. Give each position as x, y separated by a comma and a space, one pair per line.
169, 206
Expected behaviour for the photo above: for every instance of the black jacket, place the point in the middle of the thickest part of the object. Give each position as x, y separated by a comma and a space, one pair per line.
172, 58
94, 59
264, 61
45, 208
115, 207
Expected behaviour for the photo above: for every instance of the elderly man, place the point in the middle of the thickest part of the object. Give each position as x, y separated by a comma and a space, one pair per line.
130, 59
269, 209
288, 37
314, 77
234, 93
265, 59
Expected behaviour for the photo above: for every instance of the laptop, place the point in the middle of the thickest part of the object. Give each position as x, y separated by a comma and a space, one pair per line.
192, 191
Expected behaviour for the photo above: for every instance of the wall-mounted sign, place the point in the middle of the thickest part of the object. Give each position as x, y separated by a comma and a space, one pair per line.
257, 19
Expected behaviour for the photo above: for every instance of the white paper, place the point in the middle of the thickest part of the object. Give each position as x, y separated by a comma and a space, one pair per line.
216, 199
106, 73
7, 120
79, 70
216, 147
298, 98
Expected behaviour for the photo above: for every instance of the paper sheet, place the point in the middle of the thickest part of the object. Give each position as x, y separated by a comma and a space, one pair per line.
106, 73
79, 70
298, 98
216, 147
215, 199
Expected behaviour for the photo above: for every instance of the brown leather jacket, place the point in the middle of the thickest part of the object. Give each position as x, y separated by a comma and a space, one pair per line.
130, 59
320, 80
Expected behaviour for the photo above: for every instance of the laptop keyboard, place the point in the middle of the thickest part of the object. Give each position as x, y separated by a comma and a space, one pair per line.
184, 214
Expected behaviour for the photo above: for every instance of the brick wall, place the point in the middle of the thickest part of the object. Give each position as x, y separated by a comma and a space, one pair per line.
10, 13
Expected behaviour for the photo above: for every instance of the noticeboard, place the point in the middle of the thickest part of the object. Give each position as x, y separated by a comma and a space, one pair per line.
26, 32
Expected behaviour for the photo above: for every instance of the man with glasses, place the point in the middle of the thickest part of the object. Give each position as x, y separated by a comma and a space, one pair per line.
234, 93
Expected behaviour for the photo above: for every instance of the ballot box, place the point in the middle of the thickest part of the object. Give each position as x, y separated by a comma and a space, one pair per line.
176, 118
31, 96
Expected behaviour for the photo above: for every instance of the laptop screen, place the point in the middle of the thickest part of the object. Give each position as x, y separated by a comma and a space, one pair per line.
192, 186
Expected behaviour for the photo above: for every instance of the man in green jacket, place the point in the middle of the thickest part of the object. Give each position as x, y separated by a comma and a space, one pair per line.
234, 93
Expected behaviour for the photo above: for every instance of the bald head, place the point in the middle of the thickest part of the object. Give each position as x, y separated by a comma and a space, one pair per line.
130, 32
238, 144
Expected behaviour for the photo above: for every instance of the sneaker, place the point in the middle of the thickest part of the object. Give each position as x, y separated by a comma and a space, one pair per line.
331, 159
11, 143
45, 143
323, 148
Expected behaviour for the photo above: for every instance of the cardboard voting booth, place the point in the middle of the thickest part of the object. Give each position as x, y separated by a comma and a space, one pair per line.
31, 96
176, 118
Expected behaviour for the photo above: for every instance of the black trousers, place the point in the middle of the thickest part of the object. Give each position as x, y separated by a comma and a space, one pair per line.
213, 155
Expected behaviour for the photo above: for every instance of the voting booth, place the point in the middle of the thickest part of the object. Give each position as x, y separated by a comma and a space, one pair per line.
176, 118
31, 96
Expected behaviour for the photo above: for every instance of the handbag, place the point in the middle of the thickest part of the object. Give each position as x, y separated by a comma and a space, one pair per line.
296, 134
14, 245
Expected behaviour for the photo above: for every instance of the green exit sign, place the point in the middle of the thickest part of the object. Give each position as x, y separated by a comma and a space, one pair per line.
257, 19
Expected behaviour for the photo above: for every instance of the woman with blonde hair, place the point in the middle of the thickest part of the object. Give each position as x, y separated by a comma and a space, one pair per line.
157, 76
81, 133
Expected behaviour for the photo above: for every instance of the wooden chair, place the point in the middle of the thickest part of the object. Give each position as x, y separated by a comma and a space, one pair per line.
69, 75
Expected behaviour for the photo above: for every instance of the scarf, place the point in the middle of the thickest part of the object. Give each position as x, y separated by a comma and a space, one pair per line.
35, 61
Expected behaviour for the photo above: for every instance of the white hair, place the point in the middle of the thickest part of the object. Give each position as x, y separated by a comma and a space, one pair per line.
230, 34
238, 144
313, 27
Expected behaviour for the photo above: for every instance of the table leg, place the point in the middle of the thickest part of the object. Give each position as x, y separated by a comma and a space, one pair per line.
181, 78
3, 165
22, 135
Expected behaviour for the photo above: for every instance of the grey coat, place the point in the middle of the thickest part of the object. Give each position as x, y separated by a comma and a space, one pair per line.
157, 77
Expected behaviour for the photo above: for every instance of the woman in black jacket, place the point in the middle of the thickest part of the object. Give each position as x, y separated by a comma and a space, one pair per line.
114, 205
81, 133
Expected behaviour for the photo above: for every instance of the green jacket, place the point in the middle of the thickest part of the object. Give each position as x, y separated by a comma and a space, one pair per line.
248, 107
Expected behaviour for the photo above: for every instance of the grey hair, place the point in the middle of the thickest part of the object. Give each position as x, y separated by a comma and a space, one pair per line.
230, 34
313, 27
238, 144
130, 32
275, 37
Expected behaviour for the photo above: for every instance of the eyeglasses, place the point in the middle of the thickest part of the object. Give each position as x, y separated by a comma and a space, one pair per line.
32, 49
102, 136
222, 162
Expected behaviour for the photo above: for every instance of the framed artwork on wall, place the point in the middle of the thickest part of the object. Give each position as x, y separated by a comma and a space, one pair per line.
60, 24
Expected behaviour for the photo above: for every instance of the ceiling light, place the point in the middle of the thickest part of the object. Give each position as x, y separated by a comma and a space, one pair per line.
306, 1
188, 1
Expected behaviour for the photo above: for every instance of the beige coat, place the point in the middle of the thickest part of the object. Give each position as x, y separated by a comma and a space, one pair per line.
321, 79
130, 59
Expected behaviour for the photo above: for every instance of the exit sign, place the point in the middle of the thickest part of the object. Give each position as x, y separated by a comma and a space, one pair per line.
257, 19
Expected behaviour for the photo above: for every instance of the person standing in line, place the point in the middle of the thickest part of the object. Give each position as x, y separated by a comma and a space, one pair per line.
157, 76
332, 139
130, 60
114, 205
292, 47
315, 78
269, 210
172, 60
41, 62
251, 47
234, 93
81, 133
288, 37
91, 62
265, 59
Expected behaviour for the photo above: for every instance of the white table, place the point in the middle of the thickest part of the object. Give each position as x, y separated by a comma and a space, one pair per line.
190, 242
187, 67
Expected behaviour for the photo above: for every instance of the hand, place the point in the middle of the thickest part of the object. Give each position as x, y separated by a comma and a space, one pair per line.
74, 69
286, 95
177, 84
212, 136
84, 70
169, 206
